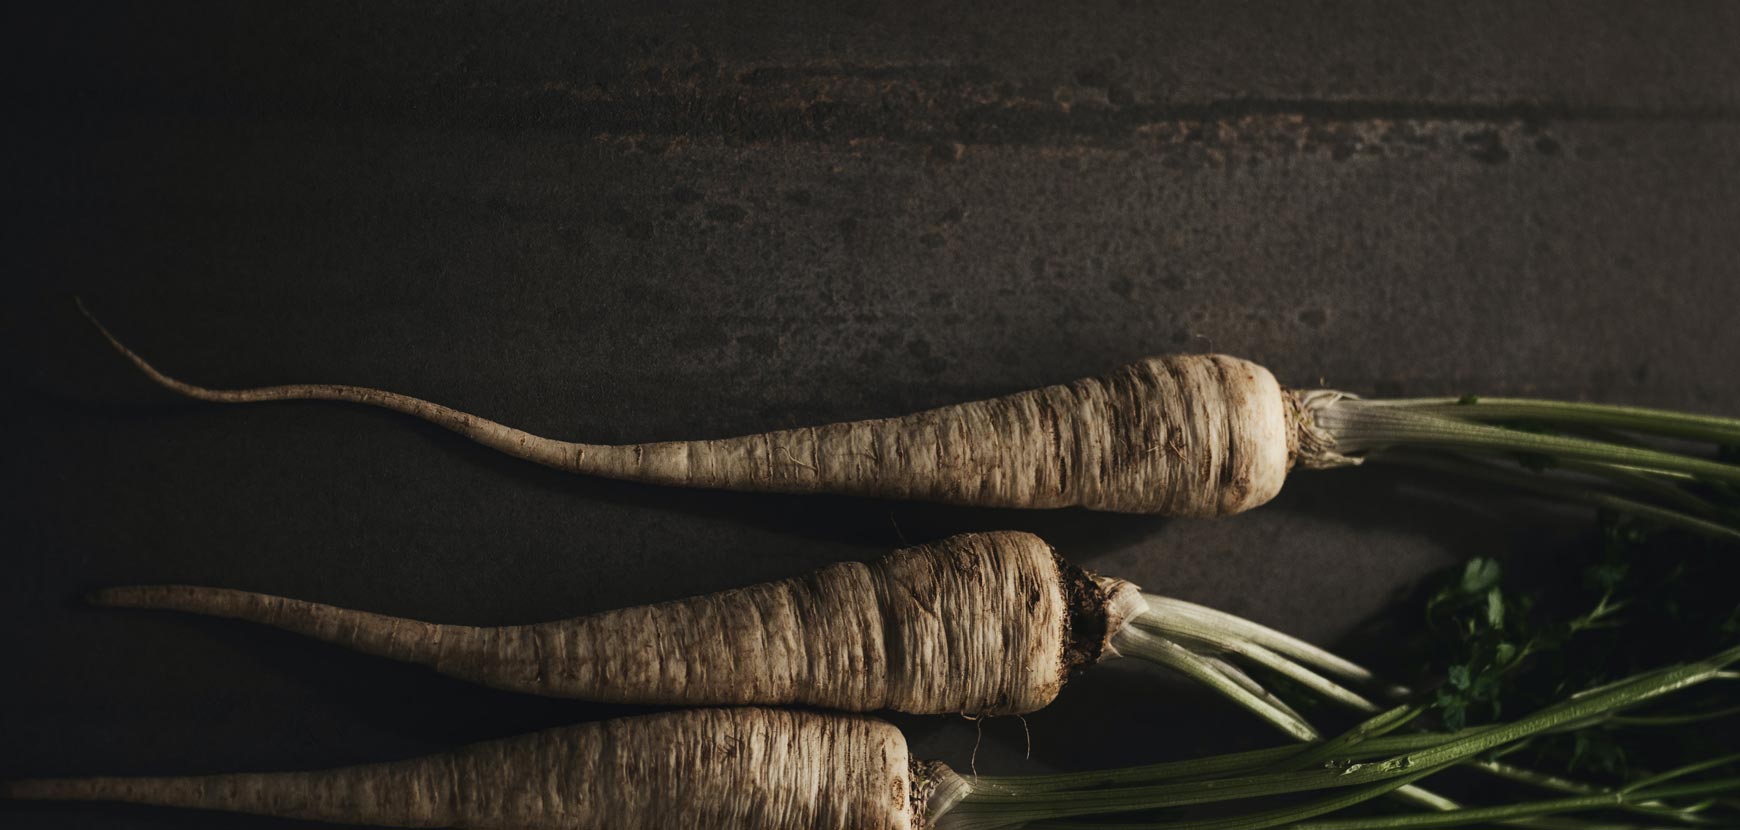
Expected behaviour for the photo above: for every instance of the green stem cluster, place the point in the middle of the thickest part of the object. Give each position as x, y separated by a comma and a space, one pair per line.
1582, 453
1591, 454
1355, 767
1197, 641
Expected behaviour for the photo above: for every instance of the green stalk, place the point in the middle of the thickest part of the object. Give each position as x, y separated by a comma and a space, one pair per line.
1615, 696
1278, 817
1556, 488
1363, 734
1236, 762
1139, 644
1651, 782
1178, 614
1197, 628
1191, 632
1566, 785
1665, 423
1359, 426
1252, 761
1649, 482
1014, 807
1672, 720
1508, 812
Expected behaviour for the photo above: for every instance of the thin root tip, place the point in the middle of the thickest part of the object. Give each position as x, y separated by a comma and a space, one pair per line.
133, 357
102, 329
85, 311
18, 790
121, 597
42, 789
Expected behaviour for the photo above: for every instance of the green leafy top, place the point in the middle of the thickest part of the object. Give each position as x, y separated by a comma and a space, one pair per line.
1512, 639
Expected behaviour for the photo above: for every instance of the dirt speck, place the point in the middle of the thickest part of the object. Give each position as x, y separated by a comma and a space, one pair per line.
1314, 317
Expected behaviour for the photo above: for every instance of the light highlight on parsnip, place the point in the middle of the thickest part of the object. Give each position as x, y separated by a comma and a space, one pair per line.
1179, 435
978, 624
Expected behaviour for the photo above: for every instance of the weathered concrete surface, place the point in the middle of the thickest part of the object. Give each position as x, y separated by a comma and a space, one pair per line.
620, 224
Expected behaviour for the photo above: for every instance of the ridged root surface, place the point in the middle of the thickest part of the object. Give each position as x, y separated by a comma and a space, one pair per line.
731, 769
1179, 435
986, 624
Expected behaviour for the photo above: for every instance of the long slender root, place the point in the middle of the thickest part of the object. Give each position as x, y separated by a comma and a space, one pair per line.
1188, 435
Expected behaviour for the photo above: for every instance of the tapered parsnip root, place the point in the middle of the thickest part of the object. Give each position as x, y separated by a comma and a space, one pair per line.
1181, 435
753, 769
989, 623
980, 624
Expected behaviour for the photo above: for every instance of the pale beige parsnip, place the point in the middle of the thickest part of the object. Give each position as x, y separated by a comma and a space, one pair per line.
982, 624
730, 769
1179, 435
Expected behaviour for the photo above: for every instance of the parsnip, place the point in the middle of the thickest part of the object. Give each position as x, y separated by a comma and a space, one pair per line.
719, 768
1178, 435
1186, 435
766, 769
977, 624
990, 623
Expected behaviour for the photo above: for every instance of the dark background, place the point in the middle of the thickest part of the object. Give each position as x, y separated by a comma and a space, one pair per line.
605, 223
